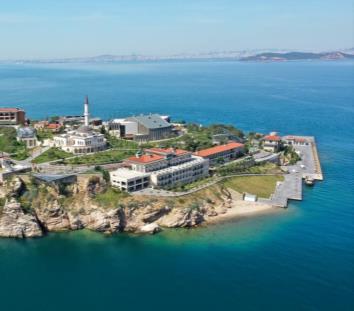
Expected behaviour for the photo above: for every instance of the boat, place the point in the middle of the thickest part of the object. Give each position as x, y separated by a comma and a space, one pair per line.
309, 181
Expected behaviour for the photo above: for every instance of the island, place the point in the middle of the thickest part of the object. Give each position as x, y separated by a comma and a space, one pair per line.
142, 174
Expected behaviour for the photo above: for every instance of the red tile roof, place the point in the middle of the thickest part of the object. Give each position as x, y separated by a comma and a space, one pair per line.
272, 137
166, 151
296, 138
146, 158
218, 149
10, 109
53, 126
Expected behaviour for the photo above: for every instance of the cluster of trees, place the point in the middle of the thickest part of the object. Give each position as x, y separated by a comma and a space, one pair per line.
235, 168
291, 155
201, 137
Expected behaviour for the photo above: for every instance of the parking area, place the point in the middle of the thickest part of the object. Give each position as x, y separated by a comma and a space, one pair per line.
309, 166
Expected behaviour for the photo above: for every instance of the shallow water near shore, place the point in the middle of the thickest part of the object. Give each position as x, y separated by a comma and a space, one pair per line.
301, 258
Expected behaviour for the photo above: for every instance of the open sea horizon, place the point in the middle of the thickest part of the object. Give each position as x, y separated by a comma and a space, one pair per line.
300, 258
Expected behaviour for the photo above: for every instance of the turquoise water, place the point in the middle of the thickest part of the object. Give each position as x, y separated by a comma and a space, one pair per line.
301, 258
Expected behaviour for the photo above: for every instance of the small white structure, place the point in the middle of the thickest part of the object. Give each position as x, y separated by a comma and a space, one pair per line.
129, 180
249, 197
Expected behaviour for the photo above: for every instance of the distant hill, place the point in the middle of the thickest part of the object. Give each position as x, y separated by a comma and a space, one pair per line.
245, 55
291, 56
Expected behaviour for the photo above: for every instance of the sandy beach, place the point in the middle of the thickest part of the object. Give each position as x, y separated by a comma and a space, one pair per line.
241, 209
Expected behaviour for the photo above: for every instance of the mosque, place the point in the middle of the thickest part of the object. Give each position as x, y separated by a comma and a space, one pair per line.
84, 139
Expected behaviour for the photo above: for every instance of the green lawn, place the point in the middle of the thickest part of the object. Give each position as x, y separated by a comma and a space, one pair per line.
243, 167
9, 144
109, 156
52, 154
262, 186
121, 143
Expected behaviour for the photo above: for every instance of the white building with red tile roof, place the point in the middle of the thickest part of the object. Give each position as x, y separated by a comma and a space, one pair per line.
272, 143
172, 155
223, 153
166, 168
296, 140
147, 162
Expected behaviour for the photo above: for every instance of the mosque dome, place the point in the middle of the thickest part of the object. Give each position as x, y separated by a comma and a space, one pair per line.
84, 129
26, 132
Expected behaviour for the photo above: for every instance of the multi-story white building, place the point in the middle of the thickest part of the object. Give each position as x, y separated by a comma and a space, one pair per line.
12, 116
171, 155
181, 174
146, 163
82, 140
165, 168
129, 180
223, 153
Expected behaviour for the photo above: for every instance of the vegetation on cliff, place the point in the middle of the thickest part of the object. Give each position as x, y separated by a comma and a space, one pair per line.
9, 144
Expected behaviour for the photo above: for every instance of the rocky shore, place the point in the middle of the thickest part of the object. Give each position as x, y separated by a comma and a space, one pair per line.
32, 210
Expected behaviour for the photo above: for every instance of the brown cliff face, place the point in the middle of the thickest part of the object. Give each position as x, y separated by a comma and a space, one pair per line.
15, 223
81, 206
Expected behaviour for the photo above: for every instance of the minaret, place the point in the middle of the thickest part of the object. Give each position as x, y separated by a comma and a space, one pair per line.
86, 111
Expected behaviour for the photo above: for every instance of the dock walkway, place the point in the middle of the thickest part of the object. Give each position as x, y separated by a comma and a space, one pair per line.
289, 189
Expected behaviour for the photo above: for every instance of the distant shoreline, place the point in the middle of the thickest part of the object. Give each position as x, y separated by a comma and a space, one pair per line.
256, 56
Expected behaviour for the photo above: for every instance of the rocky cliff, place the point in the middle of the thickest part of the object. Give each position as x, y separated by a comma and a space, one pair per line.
32, 210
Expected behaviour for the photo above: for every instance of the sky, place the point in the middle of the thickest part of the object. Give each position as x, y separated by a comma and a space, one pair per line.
79, 28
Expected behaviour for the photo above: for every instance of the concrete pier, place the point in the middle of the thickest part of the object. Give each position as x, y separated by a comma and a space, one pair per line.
310, 165
289, 189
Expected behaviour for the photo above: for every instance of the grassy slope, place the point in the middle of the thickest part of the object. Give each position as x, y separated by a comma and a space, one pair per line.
108, 156
237, 168
111, 197
51, 155
263, 186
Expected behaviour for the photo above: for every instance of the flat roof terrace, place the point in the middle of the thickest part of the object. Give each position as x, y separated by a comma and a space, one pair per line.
128, 174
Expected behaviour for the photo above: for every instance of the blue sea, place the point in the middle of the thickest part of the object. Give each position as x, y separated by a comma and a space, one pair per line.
301, 258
